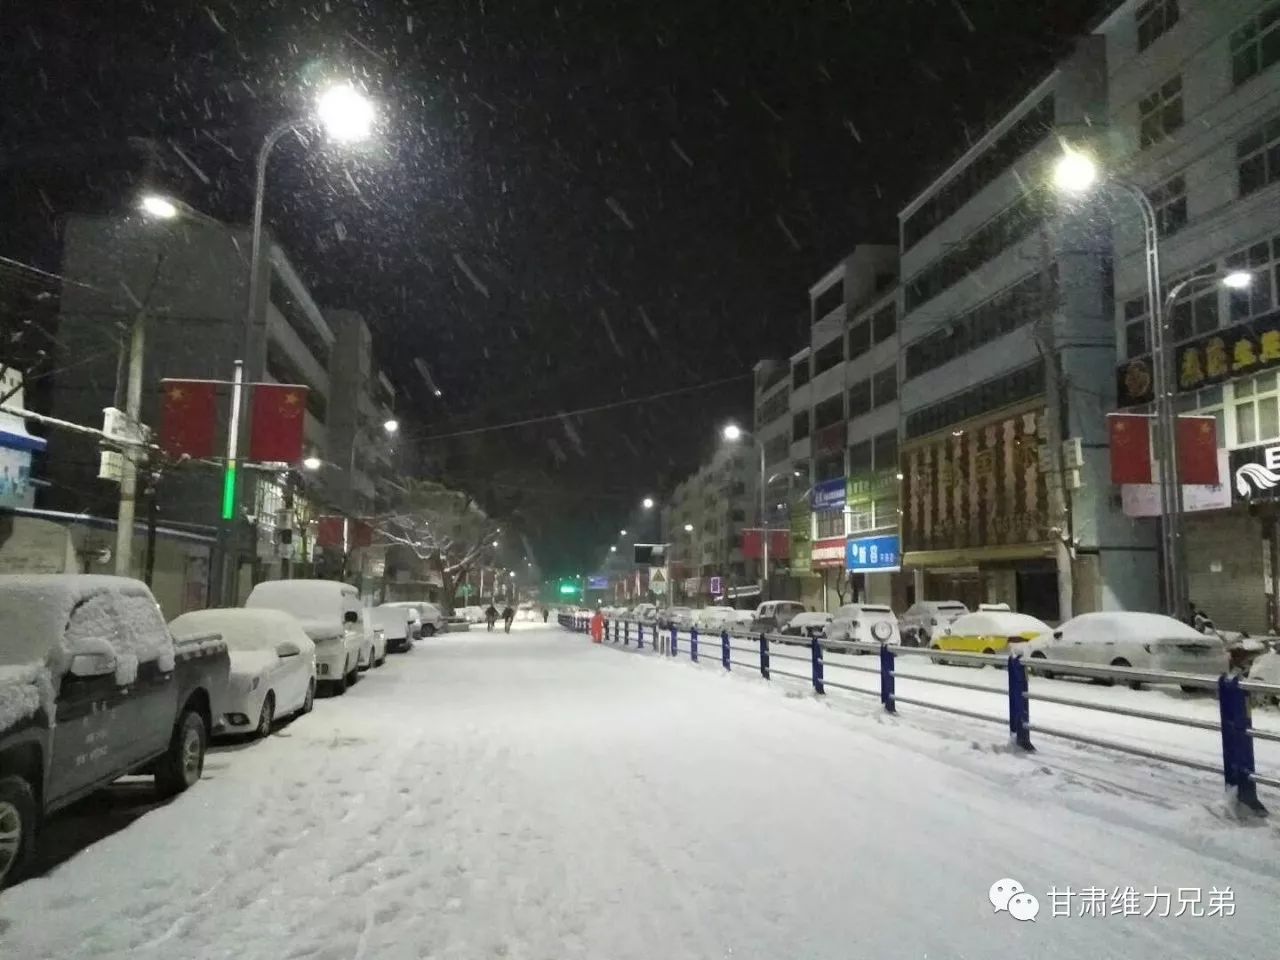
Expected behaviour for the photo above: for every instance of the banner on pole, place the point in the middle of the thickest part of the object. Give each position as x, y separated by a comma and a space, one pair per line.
275, 434
189, 419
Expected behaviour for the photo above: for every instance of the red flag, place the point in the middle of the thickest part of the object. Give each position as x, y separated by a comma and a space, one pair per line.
275, 435
1130, 447
752, 544
189, 419
779, 544
329, 531
1198, 450
361, 533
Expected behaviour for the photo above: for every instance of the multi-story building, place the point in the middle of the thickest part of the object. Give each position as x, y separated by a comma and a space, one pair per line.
1006, 296
189, 279
1194, 118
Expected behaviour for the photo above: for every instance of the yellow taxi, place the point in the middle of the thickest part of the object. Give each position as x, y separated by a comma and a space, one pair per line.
992, 629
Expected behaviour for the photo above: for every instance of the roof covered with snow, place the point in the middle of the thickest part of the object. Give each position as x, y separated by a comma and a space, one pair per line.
1130, 625
36, 608
242, 629
312, 600
996, 623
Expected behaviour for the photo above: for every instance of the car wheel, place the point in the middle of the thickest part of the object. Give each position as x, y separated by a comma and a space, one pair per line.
310, 702
183, 763
340, 684
266, 716
353, 675
429, 630
17, 828
1122, 662
1047, 674
378, 663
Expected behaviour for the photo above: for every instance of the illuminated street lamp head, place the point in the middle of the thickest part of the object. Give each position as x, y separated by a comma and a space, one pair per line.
688, 528
161, 208
731, 432
347, 115
613, 549
622, 533
311, 463
495, 543
647, 503
391, 426
1075, 172
1238, 280
511, 574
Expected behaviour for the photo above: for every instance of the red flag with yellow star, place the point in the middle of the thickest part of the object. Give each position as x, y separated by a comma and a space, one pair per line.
189, 419
1198, 450
275, 434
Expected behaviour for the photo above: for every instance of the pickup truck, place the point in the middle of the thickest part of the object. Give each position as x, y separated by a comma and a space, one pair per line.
92, 688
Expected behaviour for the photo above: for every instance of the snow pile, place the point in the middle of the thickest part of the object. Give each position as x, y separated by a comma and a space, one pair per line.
242, 629
23, 690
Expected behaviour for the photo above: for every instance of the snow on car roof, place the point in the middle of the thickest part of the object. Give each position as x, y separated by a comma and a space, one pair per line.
987, 623
306, 599
856, 609
1131, 625
35, 610
810, 619
242, 629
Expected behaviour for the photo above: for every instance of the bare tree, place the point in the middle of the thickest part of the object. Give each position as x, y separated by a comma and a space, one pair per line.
445, 528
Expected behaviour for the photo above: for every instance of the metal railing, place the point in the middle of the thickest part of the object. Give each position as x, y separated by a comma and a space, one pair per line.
1234, 724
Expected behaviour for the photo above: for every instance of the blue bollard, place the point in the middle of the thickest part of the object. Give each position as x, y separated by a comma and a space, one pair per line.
764, 656
724, 648
640, 636
675, 636
1019, 704
693, 644
887, 678
1237, 746
626, 633
815, 653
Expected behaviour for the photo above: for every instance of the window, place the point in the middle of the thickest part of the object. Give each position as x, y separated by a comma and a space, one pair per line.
777, 448
1262, 260
1258, 157
830, 467
829, 411
1206, 402
1170, 203
828, 300
1256, 45
887, 512
1011, 308
859, 339
984, 168
295, 315
737, 489
828, 356
860, 458
884, 386
862, 517
1160, 113
1196, 310
1256, 413
800, 426
1020, 384
884, 323
773, 408
830, 523
1136, 322
1000, 232
885, 450
738, 516
800, 372
1154, 18
859, 398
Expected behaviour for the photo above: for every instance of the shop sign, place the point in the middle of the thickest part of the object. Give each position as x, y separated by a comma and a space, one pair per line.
16, 445
829, 495
1255, 473
874, 554
597, 582
1246, 348
716, 587
692, 585
868, 487
828, 554
1143, 499
980, 486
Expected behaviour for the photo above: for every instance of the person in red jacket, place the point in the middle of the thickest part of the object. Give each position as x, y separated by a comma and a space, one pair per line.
597, 627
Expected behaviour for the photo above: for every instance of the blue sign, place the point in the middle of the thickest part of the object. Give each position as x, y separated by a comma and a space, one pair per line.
872, 554
597, 583
829, 495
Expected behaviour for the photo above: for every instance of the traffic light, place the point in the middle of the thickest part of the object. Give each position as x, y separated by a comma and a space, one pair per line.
569, 589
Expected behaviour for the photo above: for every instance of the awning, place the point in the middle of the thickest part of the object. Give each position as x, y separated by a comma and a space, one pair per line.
969, 556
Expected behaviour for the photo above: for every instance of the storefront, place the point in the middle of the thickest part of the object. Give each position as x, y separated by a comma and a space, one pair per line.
828, 562
873, 555
975, 519
16, 446
806, 582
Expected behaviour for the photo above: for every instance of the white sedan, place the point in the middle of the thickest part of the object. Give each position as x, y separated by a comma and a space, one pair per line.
273, 664
1147, 641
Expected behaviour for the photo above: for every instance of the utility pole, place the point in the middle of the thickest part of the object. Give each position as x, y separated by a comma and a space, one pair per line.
1055, 411
129, 470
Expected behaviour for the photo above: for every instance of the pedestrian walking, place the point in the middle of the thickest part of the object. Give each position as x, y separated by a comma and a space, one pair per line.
507, 616
545, 613
491, 617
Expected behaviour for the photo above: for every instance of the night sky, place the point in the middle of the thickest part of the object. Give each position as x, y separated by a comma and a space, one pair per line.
567, 205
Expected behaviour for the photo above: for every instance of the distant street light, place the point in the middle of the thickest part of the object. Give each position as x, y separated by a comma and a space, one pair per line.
312, 463
391, 426
647, 503
688, 528
1238, 280
154, 205
613, 549
732, 432
622, 533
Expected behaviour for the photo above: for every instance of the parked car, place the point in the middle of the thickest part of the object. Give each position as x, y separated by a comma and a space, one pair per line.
93, 687
679, 617
921, 619
1265, 668
865, 623
990, 630
806, 626
273, 664
400, 624
333, 618
1148, 641
472, 614
772, 615
644, 613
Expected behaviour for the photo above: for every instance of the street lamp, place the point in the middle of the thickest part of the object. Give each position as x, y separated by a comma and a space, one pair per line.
495, 543
732, 433
613, 549
157, 206
312, 463
346, 115
391, 426
647, 503
688, 528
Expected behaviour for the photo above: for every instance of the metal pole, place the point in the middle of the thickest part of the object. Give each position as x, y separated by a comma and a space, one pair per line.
129, 471
764, 531
1059, 515
229, 523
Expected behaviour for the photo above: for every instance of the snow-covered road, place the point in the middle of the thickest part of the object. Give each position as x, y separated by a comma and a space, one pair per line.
534, 796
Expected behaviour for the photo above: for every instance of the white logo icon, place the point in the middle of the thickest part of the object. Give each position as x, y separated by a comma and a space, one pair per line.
1009, 895
1256, 474
1001, 891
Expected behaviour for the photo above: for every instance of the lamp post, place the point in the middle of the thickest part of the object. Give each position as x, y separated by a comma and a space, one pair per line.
1076, 173
733, 433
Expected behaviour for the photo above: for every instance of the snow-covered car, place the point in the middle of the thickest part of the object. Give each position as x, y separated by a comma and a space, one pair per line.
772, 615
1147, 641
991, 629
332, 617
273, 664
644, 613
400, 624
679, 617
93, 687
526, 613
921, 619
472, 614
806, 626
865, 623
1265, 668
708, 619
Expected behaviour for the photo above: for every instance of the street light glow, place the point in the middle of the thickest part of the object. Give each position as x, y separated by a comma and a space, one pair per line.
154, 205
622, 533
1075, 172
1238, 280
311, 463
688, 528
495, 543
347, 115
613, 549
732, 432
648, 503
391, 426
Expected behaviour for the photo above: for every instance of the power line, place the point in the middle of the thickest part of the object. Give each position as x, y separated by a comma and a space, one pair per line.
585, 410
